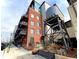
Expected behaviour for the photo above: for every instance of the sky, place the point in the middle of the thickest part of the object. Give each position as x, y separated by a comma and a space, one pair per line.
12, 10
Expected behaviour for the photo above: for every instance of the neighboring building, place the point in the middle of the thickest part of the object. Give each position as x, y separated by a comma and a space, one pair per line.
70, 29
73, 13
71, 33
71, 1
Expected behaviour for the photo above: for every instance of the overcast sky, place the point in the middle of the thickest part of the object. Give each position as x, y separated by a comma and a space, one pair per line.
12, 10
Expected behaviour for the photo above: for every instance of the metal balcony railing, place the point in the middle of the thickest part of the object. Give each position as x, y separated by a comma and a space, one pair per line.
23, 23
23, 32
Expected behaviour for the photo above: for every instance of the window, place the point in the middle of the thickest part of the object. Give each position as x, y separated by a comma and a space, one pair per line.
37, 24
32, 16
32, 23
32, 31
37, 17
37, 31
32, 41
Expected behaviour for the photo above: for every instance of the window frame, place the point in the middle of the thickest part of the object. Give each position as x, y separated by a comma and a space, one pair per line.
38, 31
32, 23
32, 15
38, 24
32, 32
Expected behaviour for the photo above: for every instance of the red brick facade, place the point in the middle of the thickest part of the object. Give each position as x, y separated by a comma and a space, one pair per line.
33, 16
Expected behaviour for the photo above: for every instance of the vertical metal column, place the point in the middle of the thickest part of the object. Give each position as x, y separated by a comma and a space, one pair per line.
59, 30
63, 34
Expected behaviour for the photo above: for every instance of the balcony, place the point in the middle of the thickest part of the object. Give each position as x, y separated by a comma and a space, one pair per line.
24, 18
20, 33
23, 32
23, 23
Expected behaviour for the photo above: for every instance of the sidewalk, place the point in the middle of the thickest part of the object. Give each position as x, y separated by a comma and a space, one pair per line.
14, 52
18, 53
21, 53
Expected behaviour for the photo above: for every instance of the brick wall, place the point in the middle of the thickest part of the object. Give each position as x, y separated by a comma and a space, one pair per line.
34, 14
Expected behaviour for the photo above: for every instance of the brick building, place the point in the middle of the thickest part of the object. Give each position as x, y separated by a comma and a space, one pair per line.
33, 29
34, 24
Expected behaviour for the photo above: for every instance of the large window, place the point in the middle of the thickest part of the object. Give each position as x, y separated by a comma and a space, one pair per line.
32, 16
32, 31
32, 23
37, 31
37, 24
37, 17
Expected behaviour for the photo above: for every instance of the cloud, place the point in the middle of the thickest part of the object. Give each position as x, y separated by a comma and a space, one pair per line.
7, 28
9, 22
2, 3
11, 12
